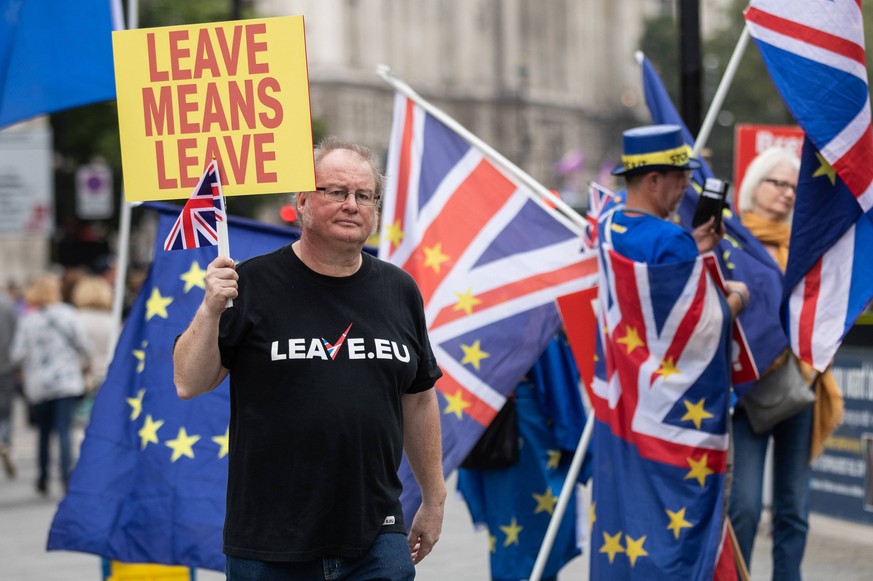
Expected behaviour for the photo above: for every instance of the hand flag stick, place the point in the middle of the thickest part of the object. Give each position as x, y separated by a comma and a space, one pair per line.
221, 221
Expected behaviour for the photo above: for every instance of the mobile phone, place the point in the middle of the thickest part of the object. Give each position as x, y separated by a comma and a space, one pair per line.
711, 202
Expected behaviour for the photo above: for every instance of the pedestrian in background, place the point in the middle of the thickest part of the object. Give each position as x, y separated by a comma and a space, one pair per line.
766, 198
52, 349
92, 296
8, 320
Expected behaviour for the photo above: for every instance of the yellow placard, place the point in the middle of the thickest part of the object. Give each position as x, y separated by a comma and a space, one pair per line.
237, 91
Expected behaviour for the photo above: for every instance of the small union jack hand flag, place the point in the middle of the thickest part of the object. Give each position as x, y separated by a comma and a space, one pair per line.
197, 225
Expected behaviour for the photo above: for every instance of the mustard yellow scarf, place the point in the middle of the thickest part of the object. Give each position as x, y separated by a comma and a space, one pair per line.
776, 234
828, 412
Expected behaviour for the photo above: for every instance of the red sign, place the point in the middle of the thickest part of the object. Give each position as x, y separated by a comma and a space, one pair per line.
750, 140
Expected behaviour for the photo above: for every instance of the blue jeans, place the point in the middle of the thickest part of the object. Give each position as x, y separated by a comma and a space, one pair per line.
388, 559
55, 415
791, 474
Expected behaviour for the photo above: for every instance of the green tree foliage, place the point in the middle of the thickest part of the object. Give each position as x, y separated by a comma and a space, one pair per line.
752, 97
172, 12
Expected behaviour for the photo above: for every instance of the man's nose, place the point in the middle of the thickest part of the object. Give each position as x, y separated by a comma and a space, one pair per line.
351, 200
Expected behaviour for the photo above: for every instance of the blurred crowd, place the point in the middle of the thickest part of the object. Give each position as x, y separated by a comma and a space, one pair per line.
56, 337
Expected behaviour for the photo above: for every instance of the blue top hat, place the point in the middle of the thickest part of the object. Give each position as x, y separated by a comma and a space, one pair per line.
654, 148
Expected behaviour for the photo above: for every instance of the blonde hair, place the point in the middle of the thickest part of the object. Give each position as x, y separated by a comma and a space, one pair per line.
757, 171
44, 290
93, 292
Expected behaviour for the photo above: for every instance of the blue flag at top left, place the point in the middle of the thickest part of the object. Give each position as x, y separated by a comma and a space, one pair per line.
54, 55
150, 483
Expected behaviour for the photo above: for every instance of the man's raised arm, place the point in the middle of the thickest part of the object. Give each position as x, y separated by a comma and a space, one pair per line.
197, 365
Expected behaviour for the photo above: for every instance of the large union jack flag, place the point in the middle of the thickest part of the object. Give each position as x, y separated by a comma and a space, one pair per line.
197, 225
490, 260
814, 50
660, 399
741, 256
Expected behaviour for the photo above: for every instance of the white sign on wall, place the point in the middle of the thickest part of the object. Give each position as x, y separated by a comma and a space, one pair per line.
26, 180
94, 191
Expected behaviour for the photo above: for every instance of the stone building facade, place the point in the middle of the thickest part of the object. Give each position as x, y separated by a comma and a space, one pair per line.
532, 78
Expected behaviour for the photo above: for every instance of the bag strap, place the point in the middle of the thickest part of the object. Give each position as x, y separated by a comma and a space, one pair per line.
69, 338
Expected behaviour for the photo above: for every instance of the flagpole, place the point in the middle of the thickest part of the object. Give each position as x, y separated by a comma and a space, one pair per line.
123, 258
221, 226
564, 499
543, 193
721, 92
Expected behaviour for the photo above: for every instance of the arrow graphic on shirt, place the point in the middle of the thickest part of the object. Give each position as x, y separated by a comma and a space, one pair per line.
333, 349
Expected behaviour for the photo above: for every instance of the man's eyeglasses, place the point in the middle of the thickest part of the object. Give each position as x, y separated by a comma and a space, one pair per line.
335, 194
781, 185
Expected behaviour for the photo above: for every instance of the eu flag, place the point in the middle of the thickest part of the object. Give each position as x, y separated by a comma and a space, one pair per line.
150, 483
55, 54
516, 503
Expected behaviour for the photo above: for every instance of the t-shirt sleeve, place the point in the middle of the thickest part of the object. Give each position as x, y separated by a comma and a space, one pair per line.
428, 371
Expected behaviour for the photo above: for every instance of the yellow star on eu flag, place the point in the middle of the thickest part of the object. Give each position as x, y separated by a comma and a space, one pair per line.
611, 545
825, 169
695, 412
223, 442
434, 257
635, 548
140, 355
136, 404
473, 354
667, 368
545, 502
512, 530
677, 521
394, 233
466, 302
157, 305
182, 445
457, 404
631, 339
195, 276
148, 433
554, 459
699, 469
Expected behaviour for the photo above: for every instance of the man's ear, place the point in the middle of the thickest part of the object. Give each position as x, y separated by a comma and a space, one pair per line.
652, 180
302, 198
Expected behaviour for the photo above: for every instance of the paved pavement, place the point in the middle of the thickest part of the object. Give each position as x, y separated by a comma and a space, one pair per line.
837, 550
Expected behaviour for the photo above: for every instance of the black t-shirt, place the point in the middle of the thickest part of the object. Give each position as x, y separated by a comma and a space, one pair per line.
318, 366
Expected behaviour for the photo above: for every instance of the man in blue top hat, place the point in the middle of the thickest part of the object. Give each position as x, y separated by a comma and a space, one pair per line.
662, 375
657, 164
